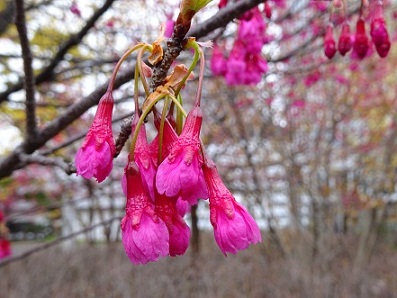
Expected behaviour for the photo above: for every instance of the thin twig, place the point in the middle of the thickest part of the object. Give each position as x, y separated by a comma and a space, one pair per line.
48, 73
48, 161
29, 81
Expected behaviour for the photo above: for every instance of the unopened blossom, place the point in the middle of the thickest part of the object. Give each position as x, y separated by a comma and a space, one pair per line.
144, 235
345, 40
360, 44
329, 42
251, 31
268, 10
169, 27
143, 158
95, 156
236, 65
256, 66
379, 34
179, 231
180, 174
234, 227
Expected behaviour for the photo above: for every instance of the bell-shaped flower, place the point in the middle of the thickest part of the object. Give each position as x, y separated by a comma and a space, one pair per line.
360, 44
345, 40
234, 228
179, 231
144, 235
180, 174
95, 156
329, 42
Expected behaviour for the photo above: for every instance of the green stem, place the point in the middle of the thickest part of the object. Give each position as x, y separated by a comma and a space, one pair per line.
161, 129
195, 46
141, 120
139, 63
179, 117
178, 105
201, 76
136, 89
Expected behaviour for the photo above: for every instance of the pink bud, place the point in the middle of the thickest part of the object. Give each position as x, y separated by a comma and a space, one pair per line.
268, 10
345, 40
329, 43
379, 34
361, 45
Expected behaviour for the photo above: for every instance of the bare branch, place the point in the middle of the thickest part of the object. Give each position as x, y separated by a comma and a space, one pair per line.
69, 168
48, 73
29, 81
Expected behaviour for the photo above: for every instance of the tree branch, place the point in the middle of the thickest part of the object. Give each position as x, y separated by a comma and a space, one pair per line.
48, 73
48, 161
29, 81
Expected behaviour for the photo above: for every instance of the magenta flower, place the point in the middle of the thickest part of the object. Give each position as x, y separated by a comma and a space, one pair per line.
169, 27
145, 236
5, 248
182, 206
179, 231
345, 40
218, 62
360, 44
379, 33
95, 156
143, 158
234, 227
329, 42
180, 174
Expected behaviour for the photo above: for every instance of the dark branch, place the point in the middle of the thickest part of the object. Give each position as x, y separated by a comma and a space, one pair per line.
29, 81
48, 73
48, 161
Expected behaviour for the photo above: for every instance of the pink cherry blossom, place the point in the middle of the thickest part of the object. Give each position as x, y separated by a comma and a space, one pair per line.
95, 156
143, 158
179, 231
169, 27
145, 236
180, 173
234, 227
329, 42
218, 62
379, 34
5, 248
345, 40
360, 44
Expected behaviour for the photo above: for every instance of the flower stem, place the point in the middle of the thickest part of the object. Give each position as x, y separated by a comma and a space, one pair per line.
196, 57
142, 119
161, 129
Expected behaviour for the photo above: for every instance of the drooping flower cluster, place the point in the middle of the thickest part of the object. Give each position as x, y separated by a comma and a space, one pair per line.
360, 42
165, 176
244, 64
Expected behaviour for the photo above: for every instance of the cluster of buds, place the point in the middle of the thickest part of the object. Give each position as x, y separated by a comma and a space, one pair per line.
165, 176
360, 42
244, 64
